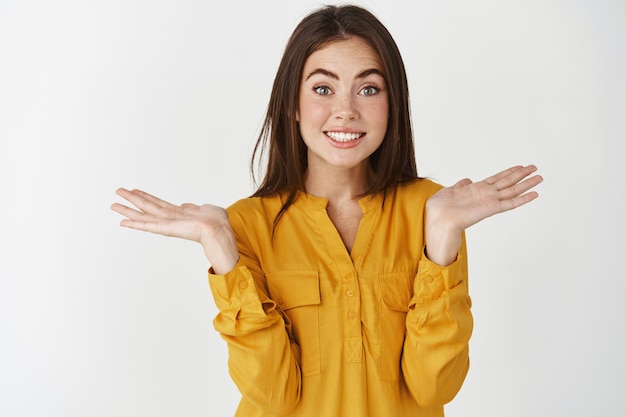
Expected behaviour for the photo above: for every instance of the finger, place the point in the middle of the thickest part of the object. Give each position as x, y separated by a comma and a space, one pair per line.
163, 208
145, 202
462, 183
119, 208
521, 187
516, 202
145, 226
495, 178
154, 199
514, 176
131, 213
164, 227
509, 172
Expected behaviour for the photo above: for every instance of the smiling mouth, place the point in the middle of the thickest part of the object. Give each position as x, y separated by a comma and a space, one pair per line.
344, 136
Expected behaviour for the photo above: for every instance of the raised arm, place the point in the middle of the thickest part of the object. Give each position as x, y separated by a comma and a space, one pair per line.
205, 224
439, 322
263, 357
453, 209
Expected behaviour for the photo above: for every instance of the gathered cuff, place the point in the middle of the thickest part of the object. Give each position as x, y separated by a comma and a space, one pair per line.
234, 289
434, 281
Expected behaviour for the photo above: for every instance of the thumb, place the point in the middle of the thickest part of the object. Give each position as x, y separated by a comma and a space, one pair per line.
462, 183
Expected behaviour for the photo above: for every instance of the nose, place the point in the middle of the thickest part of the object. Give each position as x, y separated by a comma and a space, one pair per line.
346, 107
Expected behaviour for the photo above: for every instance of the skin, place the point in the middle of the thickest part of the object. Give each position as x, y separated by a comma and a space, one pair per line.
341, 95
453, 209
341, 92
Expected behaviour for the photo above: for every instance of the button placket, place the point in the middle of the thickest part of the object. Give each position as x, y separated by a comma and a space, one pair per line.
353, 343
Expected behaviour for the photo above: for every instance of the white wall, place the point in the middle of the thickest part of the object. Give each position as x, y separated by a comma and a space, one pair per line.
96, 320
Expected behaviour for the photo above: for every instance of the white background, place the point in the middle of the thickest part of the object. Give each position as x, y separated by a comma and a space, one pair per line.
168, 96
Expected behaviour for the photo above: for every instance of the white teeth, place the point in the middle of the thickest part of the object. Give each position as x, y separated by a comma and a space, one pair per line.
343, 136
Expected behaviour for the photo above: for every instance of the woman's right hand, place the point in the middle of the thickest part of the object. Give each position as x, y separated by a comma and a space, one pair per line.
205, 224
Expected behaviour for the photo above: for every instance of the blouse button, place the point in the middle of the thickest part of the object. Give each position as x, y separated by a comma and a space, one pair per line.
352, 314
349, 293
428, 279
243, 285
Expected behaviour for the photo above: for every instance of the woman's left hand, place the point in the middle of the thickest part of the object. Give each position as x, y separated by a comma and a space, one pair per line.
453, 209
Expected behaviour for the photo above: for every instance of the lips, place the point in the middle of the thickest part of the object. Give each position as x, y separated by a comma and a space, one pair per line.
344, 137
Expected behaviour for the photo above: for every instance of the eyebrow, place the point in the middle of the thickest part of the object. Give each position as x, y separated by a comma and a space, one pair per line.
331, 74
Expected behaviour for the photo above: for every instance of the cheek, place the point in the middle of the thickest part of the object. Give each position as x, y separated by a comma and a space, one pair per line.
378, 114
311, 112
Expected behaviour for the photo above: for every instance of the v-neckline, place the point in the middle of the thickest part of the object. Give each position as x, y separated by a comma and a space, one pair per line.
336, 247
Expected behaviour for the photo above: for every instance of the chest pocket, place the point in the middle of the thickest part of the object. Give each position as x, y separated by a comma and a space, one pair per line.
297, 295
396, 289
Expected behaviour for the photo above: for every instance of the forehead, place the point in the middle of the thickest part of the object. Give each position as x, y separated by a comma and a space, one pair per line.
353, 51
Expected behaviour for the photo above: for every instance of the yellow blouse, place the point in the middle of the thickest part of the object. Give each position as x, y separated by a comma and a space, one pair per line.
315, 331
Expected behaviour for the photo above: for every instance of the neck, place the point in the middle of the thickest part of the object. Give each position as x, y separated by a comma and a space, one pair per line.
337, 184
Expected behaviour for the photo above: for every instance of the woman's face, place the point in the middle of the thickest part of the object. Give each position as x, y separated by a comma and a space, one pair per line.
343, 104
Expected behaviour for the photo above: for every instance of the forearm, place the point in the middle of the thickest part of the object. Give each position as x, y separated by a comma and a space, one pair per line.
220, 248
439, 324
263, 362
443, 239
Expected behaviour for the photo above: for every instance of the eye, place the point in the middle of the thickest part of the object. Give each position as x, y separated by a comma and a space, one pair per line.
322, 90
370, 90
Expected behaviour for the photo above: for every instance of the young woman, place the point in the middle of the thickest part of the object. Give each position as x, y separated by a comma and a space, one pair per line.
342, 282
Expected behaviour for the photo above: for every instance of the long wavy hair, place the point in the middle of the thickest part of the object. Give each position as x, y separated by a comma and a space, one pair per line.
280, 141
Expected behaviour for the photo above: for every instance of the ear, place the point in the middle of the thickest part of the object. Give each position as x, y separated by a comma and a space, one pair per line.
297, 116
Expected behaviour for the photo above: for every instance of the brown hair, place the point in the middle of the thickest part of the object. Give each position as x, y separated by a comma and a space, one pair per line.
392, 163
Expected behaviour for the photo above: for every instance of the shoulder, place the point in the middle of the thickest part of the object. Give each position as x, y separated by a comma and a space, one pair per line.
416, 190
254, 212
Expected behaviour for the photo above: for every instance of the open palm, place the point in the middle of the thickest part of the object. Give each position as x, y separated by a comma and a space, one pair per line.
206, 224
467, 203
453, 209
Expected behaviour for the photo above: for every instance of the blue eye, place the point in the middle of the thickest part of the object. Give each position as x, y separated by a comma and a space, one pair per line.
322, 90
370, 90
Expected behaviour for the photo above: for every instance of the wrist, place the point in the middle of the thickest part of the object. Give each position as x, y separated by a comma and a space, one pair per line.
224, 266
221, 251
443, 241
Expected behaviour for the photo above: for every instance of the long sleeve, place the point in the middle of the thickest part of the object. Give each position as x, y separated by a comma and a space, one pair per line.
263, 359
315, 330
439, 324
